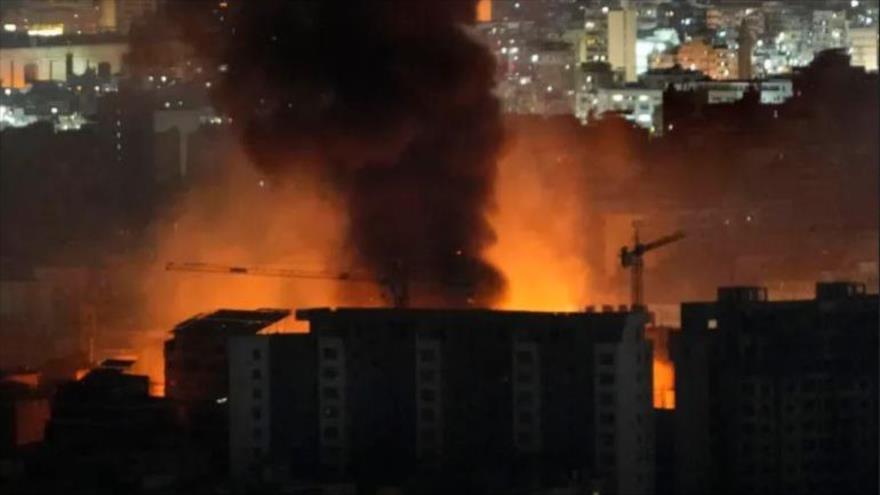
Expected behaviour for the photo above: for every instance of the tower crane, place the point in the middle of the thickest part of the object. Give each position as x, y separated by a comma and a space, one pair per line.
632, 258
395, 285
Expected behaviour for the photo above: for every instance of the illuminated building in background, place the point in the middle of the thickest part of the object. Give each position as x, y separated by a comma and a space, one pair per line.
24, 64
383, 394
43, 18
622, 35
639, 104
828, 30
717, 62
594, 46
51, 17
777, 397
863, 43
107, 19
745, 45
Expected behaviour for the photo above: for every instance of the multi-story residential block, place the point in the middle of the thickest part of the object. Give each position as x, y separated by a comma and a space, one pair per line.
386, 394
777, 397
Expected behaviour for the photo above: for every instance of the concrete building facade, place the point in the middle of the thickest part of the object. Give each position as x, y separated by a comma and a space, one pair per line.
383, 395
863, 47
622, 37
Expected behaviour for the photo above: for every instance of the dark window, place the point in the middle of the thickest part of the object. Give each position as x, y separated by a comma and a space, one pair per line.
258, 433
523, 377
606, 419
525, 398
258, 393
606, 379
256, 374
524, 357
526, 418
427, 355
257, 354
258, 452
331, 412
428, 414
606, 399
607, 439
257, 413
428, 436
524, 437
330, 393
331, 432
606, 358
330, 372
427, 395
330, 353
427, 375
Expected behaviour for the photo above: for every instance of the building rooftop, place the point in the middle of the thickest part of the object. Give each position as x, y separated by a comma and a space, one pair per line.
233, 321
467, 318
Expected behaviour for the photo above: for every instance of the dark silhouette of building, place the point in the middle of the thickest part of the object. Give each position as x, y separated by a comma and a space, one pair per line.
489, 400
195, 356
777, 397
106, 434
197, 373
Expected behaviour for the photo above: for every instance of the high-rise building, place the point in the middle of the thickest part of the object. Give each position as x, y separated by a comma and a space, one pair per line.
777, 397
622, 36
863, 47
744, 52
382, 394
594, 45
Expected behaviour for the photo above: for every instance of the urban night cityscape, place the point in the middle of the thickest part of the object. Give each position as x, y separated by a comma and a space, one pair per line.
382, 247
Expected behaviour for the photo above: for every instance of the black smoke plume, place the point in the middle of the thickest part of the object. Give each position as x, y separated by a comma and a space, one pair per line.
390, 102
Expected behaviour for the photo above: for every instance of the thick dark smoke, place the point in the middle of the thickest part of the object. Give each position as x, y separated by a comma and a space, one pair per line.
390, 102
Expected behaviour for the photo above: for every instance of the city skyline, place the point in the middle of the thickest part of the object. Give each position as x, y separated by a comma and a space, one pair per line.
500, 246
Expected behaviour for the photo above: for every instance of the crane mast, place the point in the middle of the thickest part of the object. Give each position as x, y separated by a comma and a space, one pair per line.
632, 258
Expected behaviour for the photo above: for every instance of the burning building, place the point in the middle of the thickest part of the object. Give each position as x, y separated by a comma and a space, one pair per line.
381, 395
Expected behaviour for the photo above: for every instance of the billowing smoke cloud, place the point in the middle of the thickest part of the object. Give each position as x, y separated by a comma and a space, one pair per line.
389, 103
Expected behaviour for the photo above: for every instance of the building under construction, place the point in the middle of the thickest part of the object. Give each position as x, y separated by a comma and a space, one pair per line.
469, 398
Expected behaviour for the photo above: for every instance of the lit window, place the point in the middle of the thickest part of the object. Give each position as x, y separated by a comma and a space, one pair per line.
712, 324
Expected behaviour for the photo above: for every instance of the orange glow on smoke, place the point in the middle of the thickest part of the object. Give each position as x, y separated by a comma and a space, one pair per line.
296, 224
540, 244
484, 10
664, 384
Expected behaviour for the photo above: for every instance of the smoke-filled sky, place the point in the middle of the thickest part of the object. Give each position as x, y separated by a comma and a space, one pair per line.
389, 104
